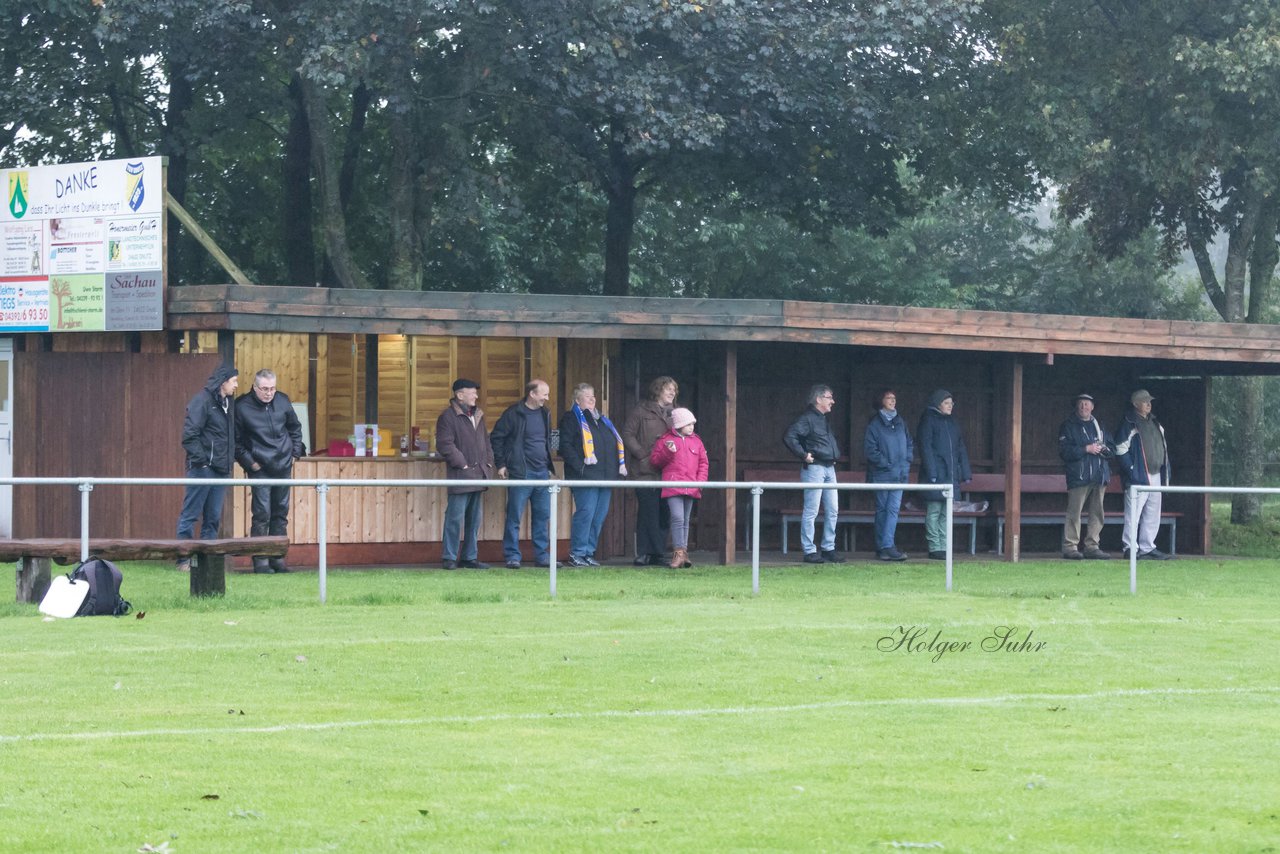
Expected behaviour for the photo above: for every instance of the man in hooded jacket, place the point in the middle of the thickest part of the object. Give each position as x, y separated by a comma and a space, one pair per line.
943, 459
209, 438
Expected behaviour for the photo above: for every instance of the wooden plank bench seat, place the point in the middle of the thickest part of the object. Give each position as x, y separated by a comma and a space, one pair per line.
1043, 484
849, 517
208, 567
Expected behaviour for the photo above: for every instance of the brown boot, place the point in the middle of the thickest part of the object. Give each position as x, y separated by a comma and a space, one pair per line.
678, 559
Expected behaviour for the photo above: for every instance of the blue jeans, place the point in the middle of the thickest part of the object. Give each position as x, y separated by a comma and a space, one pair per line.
539, 499
461, 526
201, 502
830, 499
888, 503
590, 506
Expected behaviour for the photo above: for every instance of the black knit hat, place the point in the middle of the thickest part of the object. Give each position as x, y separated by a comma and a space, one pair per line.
459, 384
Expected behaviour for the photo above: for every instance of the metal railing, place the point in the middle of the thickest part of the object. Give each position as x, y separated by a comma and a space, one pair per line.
1131, 518
554, 487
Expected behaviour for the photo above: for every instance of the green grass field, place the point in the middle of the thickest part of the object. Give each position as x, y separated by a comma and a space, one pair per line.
654, 711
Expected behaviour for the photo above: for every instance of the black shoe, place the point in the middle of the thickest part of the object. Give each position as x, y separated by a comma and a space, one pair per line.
813, 557
513, 564
591, 560
450, 564
643, 560
832, 556
938, 555
1154, 554
1073, 555
659, 559
278, 564
1096, 554
262, 567
574, 560
472, 564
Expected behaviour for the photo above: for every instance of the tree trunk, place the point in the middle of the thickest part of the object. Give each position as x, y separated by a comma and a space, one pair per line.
405, 269
295, 218
337, 250
620, 218
174, 146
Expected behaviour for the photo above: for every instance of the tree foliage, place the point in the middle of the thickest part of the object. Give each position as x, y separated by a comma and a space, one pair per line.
1161, 115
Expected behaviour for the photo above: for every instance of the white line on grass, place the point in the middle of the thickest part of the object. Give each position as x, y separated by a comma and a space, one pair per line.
997, 699
253, 641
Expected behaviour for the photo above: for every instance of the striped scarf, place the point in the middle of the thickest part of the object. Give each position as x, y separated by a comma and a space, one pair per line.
589, 441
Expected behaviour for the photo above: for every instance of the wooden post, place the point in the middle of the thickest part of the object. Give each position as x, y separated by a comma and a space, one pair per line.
1013, 464
208, 575
729, 544
34, 576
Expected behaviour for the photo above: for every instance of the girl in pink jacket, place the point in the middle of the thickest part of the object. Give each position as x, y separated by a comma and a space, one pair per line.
681, 456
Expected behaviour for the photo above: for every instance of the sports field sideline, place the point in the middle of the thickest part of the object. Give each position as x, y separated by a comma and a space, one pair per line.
1040, 707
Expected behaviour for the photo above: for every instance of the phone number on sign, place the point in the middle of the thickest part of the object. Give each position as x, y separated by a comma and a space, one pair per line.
25, 315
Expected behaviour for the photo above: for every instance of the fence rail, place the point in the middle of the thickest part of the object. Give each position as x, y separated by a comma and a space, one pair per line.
756, 488
323, 487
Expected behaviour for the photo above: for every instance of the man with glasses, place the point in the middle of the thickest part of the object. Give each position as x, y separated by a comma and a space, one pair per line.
268, 440
811, 439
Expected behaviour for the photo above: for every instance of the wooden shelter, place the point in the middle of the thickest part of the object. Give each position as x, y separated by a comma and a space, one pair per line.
744, 366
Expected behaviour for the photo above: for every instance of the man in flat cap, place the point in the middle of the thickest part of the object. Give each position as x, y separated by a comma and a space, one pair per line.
1144, 461
1085, 449
463, 441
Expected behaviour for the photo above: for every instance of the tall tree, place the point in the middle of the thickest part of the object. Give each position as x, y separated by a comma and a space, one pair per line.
1161, 114
814, 94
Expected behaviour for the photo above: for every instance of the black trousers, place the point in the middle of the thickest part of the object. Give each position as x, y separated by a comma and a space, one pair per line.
270, 506
651, 521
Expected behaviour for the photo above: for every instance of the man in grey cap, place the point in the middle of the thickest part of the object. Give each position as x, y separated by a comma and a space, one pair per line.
1084, 448
1144, 461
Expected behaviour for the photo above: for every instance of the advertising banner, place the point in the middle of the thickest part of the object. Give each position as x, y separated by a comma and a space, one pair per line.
81, 247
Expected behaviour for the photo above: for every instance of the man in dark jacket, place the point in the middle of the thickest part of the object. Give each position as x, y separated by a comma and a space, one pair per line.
943, 459
209, 438
888, 448
1144, 459
268, 440
1085, 449
811, 439
522, 451
463, 441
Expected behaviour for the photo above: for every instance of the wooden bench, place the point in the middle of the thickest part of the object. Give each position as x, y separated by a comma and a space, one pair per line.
208, 565
1045, 484
849, 517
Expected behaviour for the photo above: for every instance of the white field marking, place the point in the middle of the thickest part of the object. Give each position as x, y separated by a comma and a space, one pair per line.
640, 714
254, 641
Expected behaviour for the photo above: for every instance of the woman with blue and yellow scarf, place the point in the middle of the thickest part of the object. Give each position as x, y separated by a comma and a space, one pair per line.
592, 450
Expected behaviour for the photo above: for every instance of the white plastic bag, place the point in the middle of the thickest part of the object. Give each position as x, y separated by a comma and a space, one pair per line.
64, 597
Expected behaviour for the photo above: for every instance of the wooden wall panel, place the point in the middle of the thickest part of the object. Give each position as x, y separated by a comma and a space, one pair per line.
468, 359
345, 404
502, 375
104, 415
544, 364
89, 342
432, 380
393, 387
283, 353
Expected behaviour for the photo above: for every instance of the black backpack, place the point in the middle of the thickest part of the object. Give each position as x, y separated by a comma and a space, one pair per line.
103, 578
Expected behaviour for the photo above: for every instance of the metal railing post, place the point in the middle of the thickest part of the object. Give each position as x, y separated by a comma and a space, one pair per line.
85, 488
949, 495
756, 492
552, 532
322, 522
1131, 534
